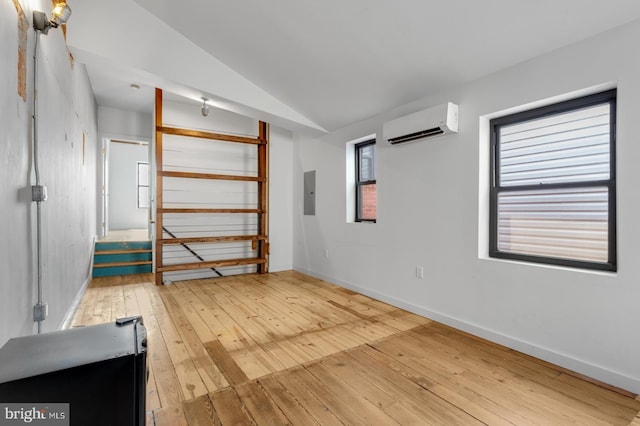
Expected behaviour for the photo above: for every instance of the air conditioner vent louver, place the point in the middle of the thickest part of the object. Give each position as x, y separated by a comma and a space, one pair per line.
417, 135
439, 120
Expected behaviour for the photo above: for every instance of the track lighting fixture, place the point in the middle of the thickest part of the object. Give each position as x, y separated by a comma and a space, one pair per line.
205, 108
60, 15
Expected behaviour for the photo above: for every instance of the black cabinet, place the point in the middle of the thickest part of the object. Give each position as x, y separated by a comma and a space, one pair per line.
100, 371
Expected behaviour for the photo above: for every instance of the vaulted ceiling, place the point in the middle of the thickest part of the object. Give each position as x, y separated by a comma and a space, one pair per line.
317, 65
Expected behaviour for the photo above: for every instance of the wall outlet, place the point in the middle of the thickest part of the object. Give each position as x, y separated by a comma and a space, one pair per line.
326, 254
419, 272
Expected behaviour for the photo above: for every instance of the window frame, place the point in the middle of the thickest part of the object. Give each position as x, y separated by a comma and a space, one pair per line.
139, 185
359, 183
610, 97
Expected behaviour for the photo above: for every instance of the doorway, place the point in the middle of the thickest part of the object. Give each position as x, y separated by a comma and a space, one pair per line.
125, 190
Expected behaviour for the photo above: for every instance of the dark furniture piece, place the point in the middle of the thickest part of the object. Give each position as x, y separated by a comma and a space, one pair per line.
100, 370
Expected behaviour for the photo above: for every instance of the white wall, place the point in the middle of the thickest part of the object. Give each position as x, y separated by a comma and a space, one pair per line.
67, 116
431, 215
123, 186
281, 149
126, 125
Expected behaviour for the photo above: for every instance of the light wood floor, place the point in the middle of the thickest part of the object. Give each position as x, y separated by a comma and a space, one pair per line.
126, 235
286, 348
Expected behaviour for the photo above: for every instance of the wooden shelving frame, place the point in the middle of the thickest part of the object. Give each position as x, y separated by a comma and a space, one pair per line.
260, 242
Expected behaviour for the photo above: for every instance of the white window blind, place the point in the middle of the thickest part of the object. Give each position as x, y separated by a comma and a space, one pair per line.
570, 147
553, 185
561, 223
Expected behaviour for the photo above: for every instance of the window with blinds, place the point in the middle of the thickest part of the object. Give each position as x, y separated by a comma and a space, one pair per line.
553, 184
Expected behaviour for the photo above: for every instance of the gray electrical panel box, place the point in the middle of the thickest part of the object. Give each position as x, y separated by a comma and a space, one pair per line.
310, 193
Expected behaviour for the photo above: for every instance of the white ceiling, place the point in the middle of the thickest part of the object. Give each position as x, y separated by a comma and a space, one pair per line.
326, 64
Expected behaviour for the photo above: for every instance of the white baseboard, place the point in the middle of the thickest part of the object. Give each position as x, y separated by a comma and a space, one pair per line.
68, 318
590, 370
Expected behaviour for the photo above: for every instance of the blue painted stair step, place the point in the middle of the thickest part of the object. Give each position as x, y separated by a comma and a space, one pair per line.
122, 258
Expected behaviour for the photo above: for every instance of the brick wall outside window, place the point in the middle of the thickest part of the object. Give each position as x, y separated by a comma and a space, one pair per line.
369, 202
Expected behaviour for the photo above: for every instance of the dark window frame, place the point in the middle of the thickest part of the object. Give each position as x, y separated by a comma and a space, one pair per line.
610, 97
359, 183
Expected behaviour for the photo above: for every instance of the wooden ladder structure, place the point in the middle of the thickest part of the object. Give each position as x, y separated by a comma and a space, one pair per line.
259, 241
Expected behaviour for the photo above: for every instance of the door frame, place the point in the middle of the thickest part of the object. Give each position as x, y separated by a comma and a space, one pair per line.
104, 184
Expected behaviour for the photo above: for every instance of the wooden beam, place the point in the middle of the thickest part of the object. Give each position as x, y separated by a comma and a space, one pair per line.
220, 239
191, 175
199, 210
211, 264
263, 194
109, 265
106, 252
210, 135
159, 188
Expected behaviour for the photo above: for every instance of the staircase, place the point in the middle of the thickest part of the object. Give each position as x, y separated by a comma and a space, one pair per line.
121, 258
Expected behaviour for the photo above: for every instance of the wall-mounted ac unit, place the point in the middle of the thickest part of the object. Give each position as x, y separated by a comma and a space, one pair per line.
436, 121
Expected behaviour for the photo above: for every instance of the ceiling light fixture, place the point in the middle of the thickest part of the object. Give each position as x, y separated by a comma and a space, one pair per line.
60, 15
205, 108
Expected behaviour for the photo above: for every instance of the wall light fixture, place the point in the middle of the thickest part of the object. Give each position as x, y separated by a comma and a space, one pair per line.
60, 15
